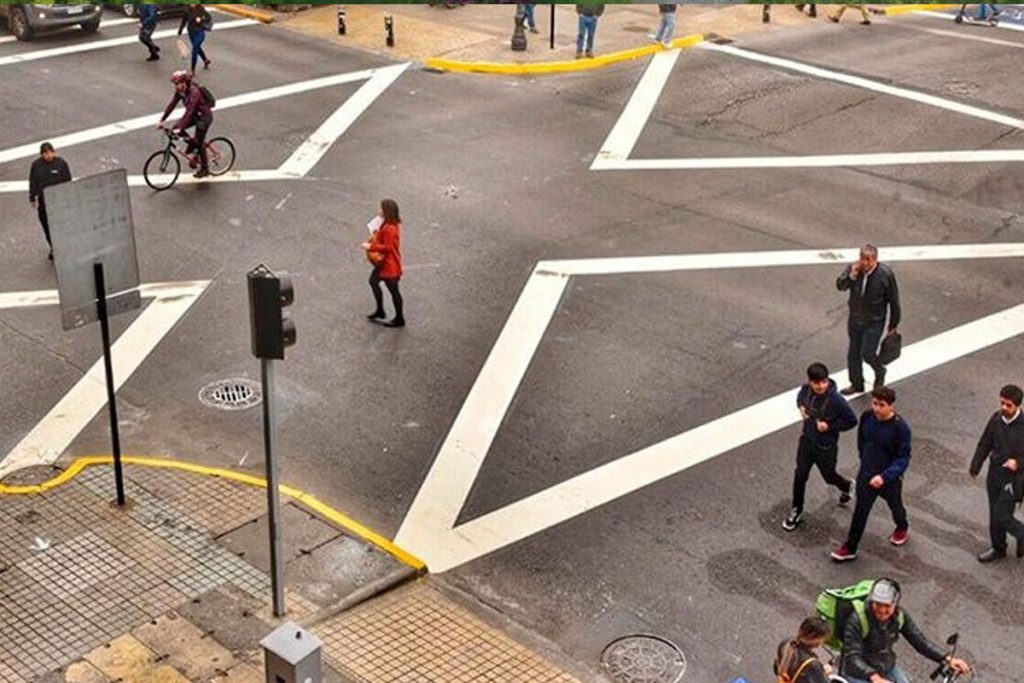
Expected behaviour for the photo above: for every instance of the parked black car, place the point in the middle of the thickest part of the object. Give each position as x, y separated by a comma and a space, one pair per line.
24, 21
163, 10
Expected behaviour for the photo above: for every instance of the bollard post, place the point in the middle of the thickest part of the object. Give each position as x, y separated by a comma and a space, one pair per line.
341, 20
519, 32
389, 27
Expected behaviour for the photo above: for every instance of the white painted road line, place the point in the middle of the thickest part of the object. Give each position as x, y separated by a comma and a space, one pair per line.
959, 35
769, 259
55, 432
447, 485
31, 149
815, 161
429, 528
316, 145
184, 179
110, 42
867, 84
621, 141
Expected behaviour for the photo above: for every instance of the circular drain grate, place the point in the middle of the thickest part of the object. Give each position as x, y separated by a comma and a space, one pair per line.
231, 394
643, 659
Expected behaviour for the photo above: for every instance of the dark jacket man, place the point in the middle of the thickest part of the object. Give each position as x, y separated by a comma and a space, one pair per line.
49, 169
1002, 444
864, 656
830, 408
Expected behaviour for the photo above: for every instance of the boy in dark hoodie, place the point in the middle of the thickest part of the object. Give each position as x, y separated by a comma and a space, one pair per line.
825, 414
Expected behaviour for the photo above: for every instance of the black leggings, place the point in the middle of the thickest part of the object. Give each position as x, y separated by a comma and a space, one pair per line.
378, 295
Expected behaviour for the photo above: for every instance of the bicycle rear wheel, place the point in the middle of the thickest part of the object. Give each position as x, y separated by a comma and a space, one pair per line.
161, 170
220, 152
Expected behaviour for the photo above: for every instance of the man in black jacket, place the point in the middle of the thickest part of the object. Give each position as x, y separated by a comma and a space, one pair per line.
49, 169
825, 414
1002, 444
873, 292
871, 632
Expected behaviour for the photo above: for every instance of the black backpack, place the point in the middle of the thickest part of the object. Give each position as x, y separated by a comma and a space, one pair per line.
208, 96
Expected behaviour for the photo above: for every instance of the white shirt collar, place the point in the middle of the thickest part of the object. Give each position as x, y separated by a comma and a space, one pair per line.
1012, 419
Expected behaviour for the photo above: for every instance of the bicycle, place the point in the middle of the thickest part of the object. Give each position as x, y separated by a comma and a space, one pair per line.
944, 673
163, 167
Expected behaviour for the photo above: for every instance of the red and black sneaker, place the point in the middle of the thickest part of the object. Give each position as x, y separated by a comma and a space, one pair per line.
899, 537
843, 554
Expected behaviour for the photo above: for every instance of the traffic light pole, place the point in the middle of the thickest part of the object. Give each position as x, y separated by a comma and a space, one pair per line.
273, 495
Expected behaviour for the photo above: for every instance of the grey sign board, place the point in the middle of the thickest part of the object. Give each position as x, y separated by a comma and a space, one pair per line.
91, 222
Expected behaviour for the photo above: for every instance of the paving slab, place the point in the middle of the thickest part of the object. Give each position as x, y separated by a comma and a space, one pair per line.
185, 647
127, 659
301, 532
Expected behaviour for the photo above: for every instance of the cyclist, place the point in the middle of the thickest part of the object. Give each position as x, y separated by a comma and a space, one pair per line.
871, 632
198, 113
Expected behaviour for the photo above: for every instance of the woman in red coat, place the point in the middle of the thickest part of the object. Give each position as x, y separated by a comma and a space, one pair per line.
384, 250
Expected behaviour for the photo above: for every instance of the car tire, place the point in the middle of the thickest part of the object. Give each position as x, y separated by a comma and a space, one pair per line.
19, 24
90, 26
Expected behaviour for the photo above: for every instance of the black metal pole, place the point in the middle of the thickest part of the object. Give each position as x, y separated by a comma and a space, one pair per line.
273, 497
552, 25
108, 365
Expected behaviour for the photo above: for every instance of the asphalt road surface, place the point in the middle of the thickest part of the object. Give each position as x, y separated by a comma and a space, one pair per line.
603, 359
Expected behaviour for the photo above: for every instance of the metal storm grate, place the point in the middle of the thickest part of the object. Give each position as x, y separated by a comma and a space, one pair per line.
231, 394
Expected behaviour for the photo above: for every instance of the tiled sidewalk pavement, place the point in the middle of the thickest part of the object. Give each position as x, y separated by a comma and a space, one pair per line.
418, 635
75, 573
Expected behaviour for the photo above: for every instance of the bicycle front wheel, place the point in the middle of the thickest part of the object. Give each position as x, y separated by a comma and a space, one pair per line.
220, 152
161, 170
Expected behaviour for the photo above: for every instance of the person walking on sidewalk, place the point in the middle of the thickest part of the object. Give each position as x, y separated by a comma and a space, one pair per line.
198, 21
384, 251
588, 12
865, 18
825, 414
873, 292
148, 18
795, 658
1002, 444
531, 20
667, 26
883, 441
49, 169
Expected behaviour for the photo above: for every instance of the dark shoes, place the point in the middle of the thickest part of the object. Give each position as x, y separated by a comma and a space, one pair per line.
991, 555
376, 315
153, 57
207, 63
201, 173
796, 516
851, 390
397, 322
50, 256
844, 498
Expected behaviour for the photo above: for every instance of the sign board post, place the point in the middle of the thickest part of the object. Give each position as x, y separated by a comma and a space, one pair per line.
97, 267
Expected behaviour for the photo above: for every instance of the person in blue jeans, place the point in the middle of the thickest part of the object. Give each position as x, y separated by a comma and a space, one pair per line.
198, 21
531, 21
983, 12
148, 18
588, 13
667, 26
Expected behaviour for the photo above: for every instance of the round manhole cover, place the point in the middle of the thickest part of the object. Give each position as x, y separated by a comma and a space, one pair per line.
643, 659
231, 394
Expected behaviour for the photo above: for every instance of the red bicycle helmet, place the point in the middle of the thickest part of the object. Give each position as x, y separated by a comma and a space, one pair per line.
181, 76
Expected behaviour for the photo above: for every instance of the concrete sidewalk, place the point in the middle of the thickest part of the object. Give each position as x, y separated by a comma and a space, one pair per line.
175, 588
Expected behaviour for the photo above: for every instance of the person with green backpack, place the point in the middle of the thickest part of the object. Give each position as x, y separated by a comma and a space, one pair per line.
869, 620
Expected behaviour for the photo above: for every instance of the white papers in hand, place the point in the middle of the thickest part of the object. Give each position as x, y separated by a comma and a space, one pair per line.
375, 224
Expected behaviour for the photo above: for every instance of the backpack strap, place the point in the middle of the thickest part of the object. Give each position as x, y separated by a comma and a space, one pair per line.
800, 670
860, 607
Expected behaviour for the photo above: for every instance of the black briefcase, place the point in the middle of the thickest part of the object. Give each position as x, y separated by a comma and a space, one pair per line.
891, 348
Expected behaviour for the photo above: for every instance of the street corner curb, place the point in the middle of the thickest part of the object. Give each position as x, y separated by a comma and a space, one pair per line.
310, 502
896, 10
515, 68
247, 12
398, 577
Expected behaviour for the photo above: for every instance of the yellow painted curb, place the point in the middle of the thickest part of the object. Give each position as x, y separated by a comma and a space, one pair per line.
247, 12
907, 9
558, 67
309, 501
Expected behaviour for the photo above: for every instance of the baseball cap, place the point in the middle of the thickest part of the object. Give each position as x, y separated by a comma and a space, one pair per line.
884, 592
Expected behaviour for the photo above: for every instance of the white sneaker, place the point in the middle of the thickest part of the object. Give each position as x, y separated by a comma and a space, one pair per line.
793, 521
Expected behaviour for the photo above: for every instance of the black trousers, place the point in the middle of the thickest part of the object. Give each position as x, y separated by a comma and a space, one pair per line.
378, 295
891, 492
146, 38
809, 454
41, 210
1001, 505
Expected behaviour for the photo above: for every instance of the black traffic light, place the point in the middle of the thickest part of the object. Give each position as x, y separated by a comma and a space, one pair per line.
272, 327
